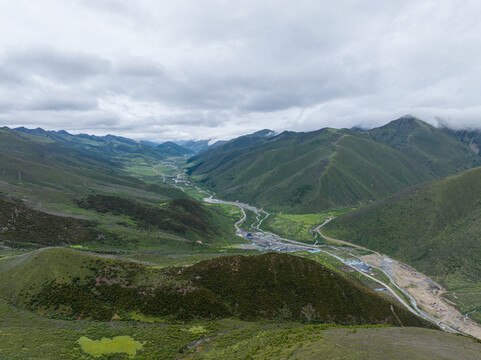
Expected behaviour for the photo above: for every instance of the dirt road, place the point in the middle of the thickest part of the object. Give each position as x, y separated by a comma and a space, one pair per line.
428, 294
425, 292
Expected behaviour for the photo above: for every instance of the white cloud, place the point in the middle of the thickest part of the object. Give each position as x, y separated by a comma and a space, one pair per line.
200, 69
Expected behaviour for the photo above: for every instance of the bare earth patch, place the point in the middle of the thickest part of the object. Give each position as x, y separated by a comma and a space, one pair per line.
427, 293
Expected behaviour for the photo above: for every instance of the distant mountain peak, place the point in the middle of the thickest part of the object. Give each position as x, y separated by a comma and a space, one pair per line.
408, 117
264, 133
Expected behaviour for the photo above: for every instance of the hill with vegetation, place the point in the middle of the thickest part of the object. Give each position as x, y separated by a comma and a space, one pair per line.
68, 283
43, 162
434, 227
53, 194
21, 226
439, 151
114, 148
472, 138
313, 171
172, 149
182, 216
329, 168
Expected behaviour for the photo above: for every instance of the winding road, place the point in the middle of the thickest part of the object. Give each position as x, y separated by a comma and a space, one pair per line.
267, 240
292, 245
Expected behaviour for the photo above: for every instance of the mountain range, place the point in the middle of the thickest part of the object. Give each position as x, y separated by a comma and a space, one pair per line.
330, 168
103, 239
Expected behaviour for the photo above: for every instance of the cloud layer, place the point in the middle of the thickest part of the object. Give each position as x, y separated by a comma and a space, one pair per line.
164, 70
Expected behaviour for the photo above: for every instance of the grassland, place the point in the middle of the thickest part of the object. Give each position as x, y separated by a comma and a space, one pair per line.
299, 226
25, 335
315, 342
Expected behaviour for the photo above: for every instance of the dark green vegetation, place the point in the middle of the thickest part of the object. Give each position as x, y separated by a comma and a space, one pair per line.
186, 217
70, 284
330, 168
276, 285
21, 226
435, 227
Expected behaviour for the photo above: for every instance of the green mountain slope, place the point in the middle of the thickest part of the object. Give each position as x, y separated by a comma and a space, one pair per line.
443, 154
435, 227
313, 171
186, 217
330, 168
26, 335
198, 146
23, 227
309, 343
44, 162
172, 149
472, 138
60, 281
114, 148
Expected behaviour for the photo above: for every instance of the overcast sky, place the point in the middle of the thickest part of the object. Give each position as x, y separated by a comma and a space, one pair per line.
163, 70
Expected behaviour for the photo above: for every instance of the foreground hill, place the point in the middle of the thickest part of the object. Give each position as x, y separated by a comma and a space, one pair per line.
26, 335
76, 285
435, 227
